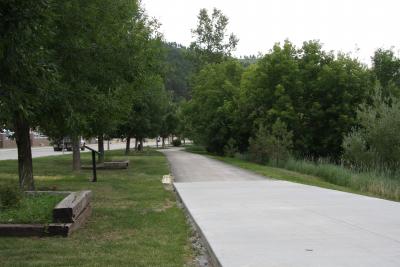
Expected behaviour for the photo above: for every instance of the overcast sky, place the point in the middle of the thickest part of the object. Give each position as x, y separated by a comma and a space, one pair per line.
341, 25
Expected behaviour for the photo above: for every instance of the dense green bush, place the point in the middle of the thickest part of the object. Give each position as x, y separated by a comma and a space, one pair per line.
212, 107
313, 91
176, 142
271, 146
230, 148
10, 196
316, 93
376, 143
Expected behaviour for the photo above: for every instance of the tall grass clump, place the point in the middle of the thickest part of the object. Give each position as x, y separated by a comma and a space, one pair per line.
10, 196
378, 183
196, 149
371, 158
331, 173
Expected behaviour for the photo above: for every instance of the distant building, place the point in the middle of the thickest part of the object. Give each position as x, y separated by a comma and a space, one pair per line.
6, 140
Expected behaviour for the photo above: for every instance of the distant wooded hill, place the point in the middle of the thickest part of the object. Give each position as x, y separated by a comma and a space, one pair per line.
179, 68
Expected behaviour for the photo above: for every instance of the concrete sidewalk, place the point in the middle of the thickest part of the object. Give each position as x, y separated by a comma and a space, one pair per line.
189, 167
277, 223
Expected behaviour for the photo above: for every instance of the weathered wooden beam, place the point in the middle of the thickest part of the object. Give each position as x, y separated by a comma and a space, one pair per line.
69, 215
33, 193
69, 209
83, 217
22, 229
56, 229
116, 164
110, 165
66, 229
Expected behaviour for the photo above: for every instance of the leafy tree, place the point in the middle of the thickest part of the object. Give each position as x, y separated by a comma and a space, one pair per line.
184, 127
342, 86
137, 66
310, 90
169, 124
216, 82
99, 47
210, 110
386, 68
269, 91
28, 74
212, 44
146, 104
147, 111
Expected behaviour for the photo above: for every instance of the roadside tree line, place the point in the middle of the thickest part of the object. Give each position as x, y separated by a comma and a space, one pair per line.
302, 102
80, 68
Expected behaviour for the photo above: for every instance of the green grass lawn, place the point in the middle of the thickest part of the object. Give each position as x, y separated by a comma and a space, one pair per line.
31, 209
135, 222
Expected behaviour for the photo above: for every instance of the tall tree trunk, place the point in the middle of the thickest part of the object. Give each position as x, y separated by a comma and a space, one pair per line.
128, 144
136, 144
76, 153
101, 148
25, 167
163, 142
141, 144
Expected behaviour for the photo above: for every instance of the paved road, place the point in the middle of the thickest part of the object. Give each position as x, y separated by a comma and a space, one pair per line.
250, 222
188, 167
37, 152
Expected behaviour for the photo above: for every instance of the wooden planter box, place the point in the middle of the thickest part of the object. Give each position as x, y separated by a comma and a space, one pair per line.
110, 165
68, 215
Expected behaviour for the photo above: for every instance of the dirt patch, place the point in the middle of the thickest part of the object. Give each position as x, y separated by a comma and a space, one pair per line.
167, 205
113, 235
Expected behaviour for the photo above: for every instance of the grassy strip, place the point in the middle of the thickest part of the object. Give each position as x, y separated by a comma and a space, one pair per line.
32, 209
135, 222
196, 149
322, 175
371, 183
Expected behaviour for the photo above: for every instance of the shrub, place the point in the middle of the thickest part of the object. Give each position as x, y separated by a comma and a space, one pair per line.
376, 144
272, 146
196, 149
10, 196
230, 148
176, 142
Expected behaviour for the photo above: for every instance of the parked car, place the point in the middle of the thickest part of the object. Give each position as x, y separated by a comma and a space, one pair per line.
9, 134
66, 144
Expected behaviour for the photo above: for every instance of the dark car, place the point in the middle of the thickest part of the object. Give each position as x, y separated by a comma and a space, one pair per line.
66, 144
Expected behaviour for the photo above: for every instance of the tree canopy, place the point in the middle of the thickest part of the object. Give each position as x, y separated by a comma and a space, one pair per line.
74, 68
28, 73
315, 93
102, 69
212, 44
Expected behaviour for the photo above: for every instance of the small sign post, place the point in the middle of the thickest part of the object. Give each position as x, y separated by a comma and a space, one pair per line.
94, 152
